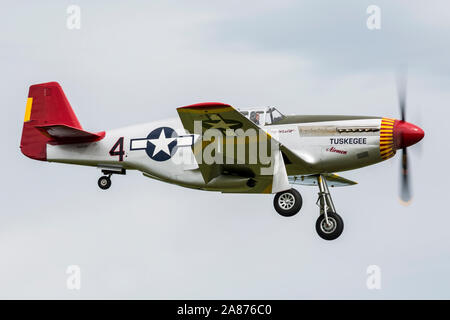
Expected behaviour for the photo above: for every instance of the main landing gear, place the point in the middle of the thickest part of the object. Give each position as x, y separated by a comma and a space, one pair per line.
329, 225
104, 182
288, 203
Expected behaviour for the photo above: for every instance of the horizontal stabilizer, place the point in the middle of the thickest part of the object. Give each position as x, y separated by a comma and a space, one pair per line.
333, 180
63, 134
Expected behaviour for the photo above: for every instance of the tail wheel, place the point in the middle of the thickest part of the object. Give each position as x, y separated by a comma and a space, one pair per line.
104, 182
331, 230
288, 203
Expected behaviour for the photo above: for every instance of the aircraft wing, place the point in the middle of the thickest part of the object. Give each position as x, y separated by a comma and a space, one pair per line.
333, 180
227, 121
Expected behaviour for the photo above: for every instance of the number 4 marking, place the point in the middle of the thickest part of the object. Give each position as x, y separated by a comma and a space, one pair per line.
115, 152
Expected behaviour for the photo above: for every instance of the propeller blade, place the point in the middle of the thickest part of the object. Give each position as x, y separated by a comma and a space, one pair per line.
405, 191
401, 91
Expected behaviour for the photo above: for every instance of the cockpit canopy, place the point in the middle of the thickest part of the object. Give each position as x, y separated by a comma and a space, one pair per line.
263, 116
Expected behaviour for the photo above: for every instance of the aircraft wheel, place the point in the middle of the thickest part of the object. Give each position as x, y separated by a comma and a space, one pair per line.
104, 182
288, 203
333, 229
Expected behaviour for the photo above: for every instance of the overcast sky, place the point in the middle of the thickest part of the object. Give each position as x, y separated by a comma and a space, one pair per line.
137, 61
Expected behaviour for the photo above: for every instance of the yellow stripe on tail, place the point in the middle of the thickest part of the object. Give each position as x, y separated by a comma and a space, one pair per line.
28, 109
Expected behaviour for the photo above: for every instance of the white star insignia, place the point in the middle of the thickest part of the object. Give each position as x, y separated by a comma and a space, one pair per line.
161, 144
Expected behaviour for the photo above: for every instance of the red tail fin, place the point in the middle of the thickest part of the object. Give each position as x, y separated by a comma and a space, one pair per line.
47, 106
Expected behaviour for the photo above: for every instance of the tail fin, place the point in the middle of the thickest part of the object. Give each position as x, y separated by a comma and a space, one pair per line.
48, 110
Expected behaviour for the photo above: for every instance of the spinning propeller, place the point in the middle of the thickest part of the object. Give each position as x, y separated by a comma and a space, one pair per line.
405, 134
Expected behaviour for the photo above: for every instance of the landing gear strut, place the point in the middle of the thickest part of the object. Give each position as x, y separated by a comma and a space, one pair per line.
288, 203
104, 182
329, 225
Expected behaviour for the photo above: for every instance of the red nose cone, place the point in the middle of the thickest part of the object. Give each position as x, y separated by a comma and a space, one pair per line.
406, 134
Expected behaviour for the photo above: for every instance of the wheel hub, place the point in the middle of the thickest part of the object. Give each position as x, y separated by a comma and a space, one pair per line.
286, 201
329, 227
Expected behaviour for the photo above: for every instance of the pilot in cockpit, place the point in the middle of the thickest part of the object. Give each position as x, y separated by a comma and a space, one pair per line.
254, 116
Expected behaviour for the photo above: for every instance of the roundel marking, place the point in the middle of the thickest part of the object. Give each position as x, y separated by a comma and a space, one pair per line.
161, 144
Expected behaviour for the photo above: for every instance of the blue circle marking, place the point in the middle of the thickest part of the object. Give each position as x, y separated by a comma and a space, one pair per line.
161, 144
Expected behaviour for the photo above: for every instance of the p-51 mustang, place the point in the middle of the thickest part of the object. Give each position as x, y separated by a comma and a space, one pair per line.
213, 146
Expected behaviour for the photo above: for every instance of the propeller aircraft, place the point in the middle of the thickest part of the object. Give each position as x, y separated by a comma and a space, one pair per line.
214, 147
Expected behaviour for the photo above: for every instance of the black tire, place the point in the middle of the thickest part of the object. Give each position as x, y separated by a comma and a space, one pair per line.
334, 231
288, 203
104, 182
